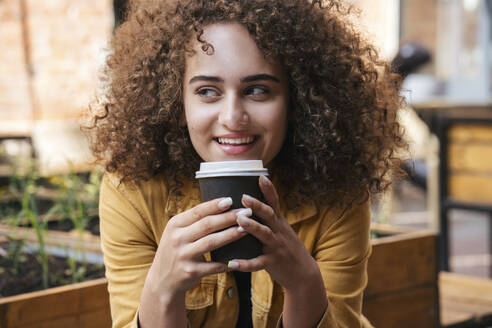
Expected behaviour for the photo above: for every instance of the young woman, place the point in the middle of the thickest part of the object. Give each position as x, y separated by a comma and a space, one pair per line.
285, 81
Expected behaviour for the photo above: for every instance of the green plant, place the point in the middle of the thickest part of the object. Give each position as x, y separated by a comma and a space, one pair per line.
29, 210
77, 273
14, 251
77, 196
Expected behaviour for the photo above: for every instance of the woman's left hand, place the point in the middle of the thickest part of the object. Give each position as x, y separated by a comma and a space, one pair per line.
284, 256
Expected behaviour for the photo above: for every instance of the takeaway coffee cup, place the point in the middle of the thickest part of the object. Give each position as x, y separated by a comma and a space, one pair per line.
233, 179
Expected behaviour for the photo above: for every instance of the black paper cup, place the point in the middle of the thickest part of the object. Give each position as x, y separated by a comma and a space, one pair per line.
233, 179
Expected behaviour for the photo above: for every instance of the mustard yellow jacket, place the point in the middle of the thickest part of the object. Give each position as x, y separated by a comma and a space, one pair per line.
134, 218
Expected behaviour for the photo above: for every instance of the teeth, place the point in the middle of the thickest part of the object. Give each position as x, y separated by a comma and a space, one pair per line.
236, 141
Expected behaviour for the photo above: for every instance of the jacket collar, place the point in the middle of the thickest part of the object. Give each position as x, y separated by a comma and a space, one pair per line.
305, 211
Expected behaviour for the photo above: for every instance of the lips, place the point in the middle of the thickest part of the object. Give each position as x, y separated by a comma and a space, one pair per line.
236, 144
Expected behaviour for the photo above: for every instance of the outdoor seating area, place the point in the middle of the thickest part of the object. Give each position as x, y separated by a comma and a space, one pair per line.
431, 231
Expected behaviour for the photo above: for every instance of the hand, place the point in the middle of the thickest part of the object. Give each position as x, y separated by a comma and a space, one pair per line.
284, 256
179, 263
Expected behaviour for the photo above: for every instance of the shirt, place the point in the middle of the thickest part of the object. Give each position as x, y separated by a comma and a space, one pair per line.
133, 218
243, 284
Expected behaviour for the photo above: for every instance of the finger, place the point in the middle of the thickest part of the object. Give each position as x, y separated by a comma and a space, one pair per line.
214, 241
270, 193
198, 270
211, 224
202, 210
262, 232
202, 269
260, 209
255, 264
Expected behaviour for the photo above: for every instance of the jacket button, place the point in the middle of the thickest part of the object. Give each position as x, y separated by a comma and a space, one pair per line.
230, 292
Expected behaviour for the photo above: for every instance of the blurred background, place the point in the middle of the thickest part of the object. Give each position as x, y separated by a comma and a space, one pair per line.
52, 51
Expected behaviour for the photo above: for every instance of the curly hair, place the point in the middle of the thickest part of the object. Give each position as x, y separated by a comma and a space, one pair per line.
343, 133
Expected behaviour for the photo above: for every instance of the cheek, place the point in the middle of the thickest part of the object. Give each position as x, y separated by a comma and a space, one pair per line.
280, 115
199, 123
194, 127
277, 124
193, 115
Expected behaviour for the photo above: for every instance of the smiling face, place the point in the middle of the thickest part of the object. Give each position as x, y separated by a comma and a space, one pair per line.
235, 100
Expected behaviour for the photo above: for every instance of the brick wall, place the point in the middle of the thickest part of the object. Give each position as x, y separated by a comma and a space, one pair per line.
50, 55
378, 21
66, 40
418, 23
14, 95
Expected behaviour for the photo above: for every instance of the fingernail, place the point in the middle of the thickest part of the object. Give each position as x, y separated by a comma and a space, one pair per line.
264, 180
232, 265
245, 212
240, 229
247, 200
225, 203
242, 221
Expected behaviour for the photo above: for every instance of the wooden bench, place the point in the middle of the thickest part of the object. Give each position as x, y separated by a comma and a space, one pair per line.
465, 301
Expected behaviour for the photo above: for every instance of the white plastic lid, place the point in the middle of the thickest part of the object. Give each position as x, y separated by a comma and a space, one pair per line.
231, 168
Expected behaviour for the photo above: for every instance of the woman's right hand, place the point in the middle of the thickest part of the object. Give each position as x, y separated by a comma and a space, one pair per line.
179, 263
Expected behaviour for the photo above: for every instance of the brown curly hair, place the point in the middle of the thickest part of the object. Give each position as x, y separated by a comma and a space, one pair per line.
343, 132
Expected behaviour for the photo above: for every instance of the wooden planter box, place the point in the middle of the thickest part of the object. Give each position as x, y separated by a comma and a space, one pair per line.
81, 305
402, 290
403, 286
52, 239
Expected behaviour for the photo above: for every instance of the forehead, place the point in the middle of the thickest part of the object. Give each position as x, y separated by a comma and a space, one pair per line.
234, 53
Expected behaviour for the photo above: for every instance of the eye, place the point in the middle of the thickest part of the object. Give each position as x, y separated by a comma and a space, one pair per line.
207, 92
257, 91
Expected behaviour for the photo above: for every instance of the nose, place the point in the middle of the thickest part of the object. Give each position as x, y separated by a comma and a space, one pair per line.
233, 115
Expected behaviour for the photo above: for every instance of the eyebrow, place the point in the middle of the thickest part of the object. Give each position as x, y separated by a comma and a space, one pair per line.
260, 77
205, 78
251, 78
